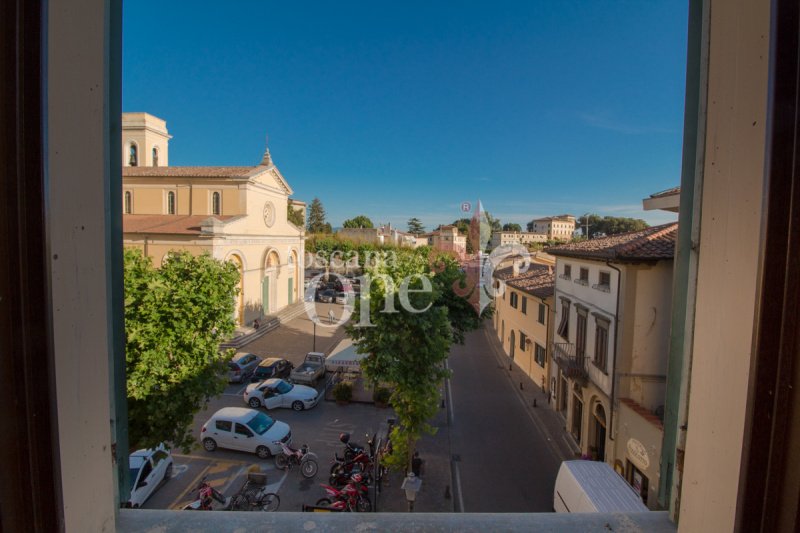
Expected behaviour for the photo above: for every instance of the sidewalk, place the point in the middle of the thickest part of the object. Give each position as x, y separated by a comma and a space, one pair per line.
549, 421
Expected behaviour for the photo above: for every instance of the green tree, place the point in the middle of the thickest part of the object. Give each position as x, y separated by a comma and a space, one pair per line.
512, 226
415, 226
175, 318
316, 218
609, 225
407, 350
494, 223
360, 221
295, 216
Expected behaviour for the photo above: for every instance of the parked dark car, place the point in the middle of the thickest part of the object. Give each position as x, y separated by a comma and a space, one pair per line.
242, 366
272, 367
327, 296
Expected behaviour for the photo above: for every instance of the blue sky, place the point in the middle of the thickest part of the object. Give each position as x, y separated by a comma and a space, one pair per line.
404, 109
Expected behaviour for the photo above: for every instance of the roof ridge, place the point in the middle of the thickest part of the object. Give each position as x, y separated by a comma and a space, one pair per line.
648, 235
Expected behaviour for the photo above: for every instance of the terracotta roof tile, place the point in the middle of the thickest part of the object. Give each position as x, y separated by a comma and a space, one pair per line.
166, 224
187, 172
657, 242
538, 280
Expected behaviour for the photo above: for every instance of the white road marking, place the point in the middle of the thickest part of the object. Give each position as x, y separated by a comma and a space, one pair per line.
457, 482
177, 469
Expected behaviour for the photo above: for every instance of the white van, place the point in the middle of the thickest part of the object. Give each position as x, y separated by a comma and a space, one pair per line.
593, 487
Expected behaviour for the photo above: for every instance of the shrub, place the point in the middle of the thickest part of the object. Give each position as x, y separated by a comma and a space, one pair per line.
343, 391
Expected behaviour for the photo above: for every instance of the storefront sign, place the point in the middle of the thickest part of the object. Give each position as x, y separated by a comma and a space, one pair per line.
638, 454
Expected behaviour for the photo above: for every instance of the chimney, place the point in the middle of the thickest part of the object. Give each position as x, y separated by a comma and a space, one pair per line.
550, 269
515, 267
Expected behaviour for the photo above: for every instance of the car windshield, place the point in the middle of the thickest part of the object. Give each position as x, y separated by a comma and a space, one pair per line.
233, 366
283, 387
260, 423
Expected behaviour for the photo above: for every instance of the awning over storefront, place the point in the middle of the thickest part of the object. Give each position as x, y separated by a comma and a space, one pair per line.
344, 357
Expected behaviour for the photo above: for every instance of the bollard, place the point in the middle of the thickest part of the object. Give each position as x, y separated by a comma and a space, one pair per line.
442, 403
520, 385
534, 402
447, 492
510, 367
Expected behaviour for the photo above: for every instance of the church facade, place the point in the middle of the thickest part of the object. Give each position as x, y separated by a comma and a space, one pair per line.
236, 214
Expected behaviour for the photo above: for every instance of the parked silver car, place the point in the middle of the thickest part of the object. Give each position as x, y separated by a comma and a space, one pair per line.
242, 367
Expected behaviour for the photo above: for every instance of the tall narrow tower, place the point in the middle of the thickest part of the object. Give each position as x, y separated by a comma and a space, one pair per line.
145, 141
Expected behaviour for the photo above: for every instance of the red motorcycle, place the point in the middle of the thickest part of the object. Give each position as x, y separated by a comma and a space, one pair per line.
206, 494
352, 497
356, 460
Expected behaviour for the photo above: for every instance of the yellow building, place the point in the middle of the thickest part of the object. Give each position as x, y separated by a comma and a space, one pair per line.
522, 318
236, 214
557, 228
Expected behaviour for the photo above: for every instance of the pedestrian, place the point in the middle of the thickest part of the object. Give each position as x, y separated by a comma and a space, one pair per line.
256, 324
416, 465
330, 316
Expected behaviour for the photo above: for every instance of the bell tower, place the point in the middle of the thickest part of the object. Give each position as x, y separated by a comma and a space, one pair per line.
145, 141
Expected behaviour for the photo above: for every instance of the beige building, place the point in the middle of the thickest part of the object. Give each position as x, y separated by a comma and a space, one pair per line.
383, 234
557, 228
447, 239
523, 318
613, 299
501, 238
236, 214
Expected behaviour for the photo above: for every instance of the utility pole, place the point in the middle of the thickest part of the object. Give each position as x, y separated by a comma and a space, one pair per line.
586, 224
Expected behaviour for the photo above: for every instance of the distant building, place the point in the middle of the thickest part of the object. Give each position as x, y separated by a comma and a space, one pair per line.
447, 239
523, 323
500, 238
236, 214
383, 234
557, 228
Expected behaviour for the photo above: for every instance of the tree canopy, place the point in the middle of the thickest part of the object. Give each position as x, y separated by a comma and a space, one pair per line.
316, 218
609, 225
415, 226
175, 318
512, 226
360, 221
407, 349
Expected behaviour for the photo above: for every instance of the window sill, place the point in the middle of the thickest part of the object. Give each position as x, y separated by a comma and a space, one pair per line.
601, 369
565, 277
138, 520
581, 282
602, 288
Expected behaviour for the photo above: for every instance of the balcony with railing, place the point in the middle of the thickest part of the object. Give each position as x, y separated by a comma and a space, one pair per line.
573, 365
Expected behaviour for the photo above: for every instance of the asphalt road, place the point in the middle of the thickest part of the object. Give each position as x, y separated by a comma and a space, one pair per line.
502, 460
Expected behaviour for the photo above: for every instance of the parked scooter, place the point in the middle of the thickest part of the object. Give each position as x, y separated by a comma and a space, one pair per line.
352, 497
206, 495
303, 457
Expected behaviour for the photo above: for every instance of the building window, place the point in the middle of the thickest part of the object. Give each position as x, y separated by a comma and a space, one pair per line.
522, 339
601, 346
583, 278
216, 204
580, 333
603, 282
567, 272
637, 480
128, 203
133, 155
540, 354
171, 203
563, 327
514, 300
155, 157
524, 305
541, 313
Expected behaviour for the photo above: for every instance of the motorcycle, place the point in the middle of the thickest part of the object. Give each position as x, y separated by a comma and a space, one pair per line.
351, 450
206, 494
355, 460
303, 457
352, 497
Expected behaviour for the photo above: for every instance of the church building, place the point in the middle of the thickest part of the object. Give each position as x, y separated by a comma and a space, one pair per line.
236, 214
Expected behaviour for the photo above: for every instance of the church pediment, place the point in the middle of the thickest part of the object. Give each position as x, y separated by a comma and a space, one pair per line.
271, 177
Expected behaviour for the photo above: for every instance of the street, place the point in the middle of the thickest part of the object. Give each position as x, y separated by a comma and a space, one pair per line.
502, 458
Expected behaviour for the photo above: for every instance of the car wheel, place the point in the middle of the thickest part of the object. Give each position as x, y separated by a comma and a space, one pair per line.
209, 444
168, 472
135, 505
297, 405
255, 403
263, 452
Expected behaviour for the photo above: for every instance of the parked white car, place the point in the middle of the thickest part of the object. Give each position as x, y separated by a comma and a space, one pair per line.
246, 430
148, 469
275, 392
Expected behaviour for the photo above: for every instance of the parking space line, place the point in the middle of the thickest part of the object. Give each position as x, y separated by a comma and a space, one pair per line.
190, 487
204, 458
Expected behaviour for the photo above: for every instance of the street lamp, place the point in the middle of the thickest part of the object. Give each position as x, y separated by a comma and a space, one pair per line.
411, 484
